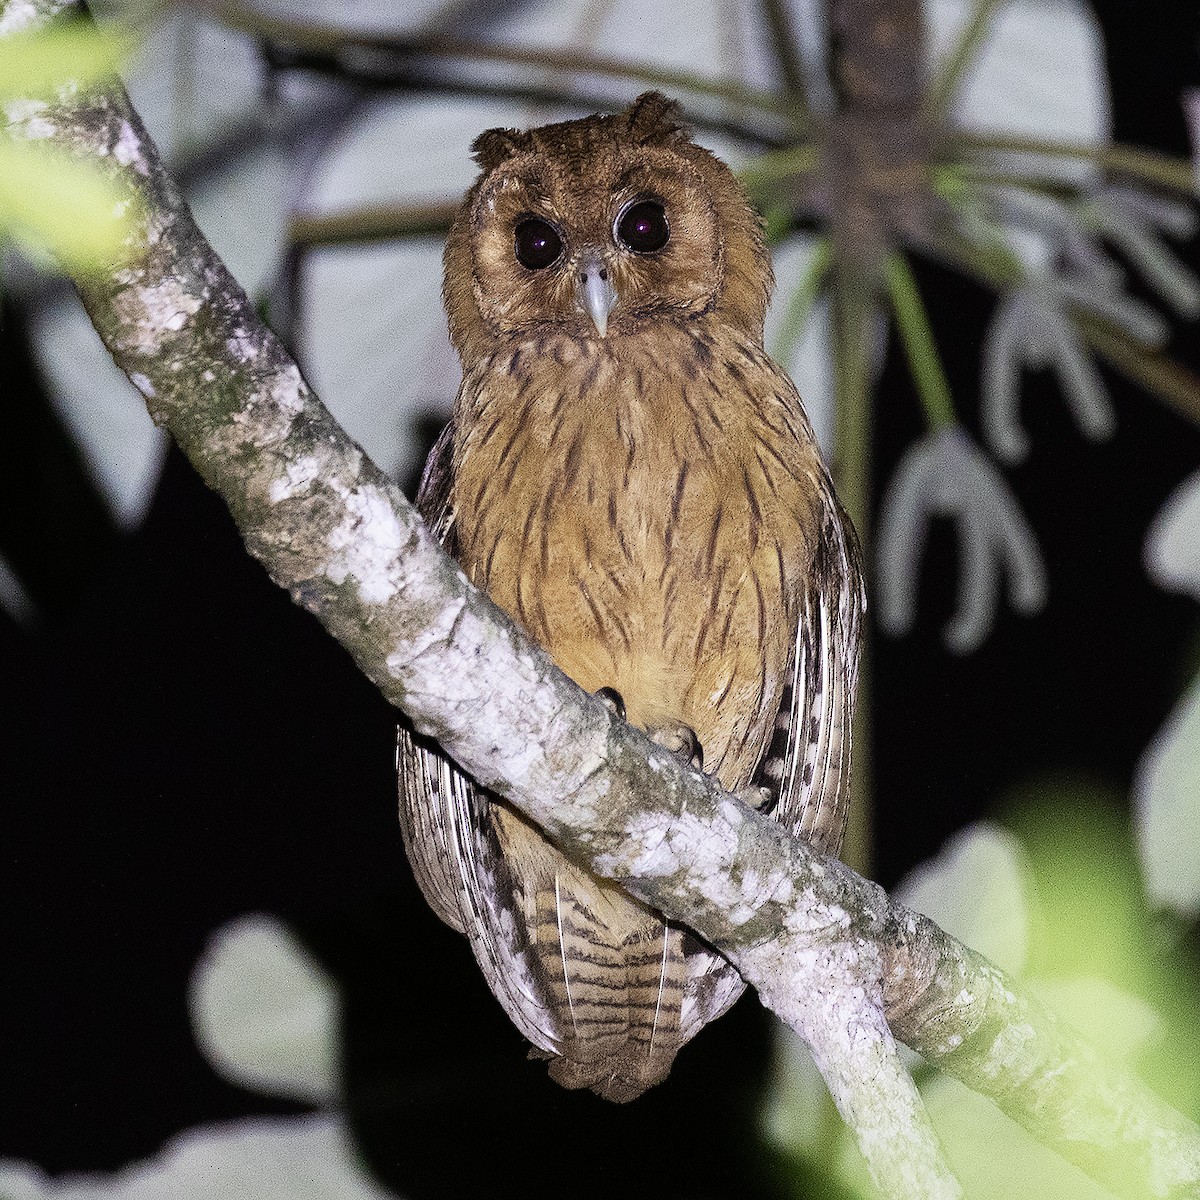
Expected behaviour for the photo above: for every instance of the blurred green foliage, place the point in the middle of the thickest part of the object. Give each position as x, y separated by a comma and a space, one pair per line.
51, 203
1063, 863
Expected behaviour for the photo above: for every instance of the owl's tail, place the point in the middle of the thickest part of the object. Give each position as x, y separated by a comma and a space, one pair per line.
618, 990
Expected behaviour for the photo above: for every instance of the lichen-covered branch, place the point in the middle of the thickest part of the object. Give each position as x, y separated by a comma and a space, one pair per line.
967, 1018
825, 948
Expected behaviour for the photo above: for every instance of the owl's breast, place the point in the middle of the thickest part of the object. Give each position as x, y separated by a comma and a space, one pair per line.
649, 522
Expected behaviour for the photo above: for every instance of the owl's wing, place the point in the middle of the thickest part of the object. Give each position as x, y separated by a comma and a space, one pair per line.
428, 784
807, 765
451, 842
437, 484
427, 792
711, 987
450, 838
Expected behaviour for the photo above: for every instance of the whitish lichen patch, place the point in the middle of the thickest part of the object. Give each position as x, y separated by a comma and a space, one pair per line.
1010, 1046
299, 477
289, 391
436, 634
365, 545
786, 890
147, 312
731, 813
706, 847
143, 384
520, 760
28, 119
243, 345
808, 916
269, 417
17, 15
128, 150
651, 855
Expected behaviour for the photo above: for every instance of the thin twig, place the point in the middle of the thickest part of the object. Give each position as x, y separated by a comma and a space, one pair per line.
1163, 377
371, 224
411, 76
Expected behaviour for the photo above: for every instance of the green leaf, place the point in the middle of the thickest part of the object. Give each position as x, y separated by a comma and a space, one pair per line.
777, 224
36, 63
48, 201
265, 1013
975, 889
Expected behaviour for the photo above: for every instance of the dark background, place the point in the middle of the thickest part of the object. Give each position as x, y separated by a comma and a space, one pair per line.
181, 745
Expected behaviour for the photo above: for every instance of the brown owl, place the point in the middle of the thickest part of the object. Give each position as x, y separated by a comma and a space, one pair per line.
633, 480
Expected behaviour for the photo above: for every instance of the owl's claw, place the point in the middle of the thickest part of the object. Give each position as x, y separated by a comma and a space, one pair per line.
757, 797
682, 741
612, 700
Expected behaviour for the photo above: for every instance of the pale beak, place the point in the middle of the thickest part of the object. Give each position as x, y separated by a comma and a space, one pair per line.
595, 293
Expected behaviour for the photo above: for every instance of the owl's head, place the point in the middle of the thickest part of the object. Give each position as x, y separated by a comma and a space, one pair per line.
599, 227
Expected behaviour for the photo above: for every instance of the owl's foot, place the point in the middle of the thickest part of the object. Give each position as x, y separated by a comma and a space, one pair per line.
682, 741
612, 700
757, 797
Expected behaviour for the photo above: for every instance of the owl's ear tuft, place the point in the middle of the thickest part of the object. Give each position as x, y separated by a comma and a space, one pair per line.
655, 118
493, 146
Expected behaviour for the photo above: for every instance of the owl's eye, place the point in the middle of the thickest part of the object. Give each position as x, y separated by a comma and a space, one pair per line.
643, 227
537, 243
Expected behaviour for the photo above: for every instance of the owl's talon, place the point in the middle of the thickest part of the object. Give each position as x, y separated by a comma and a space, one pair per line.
612, 700
682, 741
757, 797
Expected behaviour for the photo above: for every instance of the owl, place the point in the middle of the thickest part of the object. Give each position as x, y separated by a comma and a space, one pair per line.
633, 480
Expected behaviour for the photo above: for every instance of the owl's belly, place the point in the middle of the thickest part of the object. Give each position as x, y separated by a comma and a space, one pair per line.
681, 596
652, 528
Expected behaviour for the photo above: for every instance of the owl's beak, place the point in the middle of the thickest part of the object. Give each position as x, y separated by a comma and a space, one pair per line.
595, 292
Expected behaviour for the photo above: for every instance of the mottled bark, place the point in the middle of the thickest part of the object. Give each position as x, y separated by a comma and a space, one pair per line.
825, 948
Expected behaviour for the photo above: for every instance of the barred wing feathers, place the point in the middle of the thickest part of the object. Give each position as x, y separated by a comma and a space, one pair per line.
451, 840
807, 765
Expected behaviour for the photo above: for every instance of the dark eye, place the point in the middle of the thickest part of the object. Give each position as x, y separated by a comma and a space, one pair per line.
643, 227
537, 243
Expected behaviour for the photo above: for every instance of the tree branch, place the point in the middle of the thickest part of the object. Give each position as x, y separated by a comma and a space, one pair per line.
826, 949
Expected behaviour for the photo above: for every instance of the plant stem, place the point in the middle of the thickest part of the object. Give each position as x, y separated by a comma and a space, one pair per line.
1148, 165
780, 164
1170, 381
942, 92
920, 348
801, 303
786, 46
371, 224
